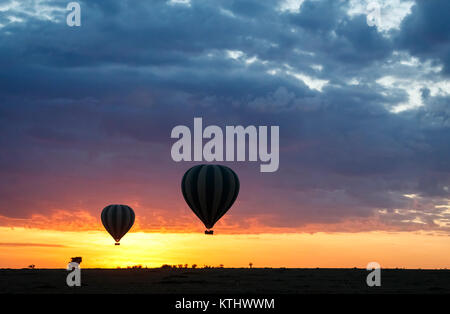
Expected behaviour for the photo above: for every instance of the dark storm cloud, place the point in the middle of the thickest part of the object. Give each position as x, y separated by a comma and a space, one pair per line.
426, 32
82, 107
319, 16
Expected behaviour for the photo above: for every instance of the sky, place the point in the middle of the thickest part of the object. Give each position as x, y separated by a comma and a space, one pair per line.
86, 115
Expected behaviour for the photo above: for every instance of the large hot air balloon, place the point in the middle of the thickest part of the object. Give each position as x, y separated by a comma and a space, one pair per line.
117, 219
210, 190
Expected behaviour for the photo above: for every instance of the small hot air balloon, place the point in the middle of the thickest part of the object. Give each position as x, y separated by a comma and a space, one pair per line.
210, 191
117, 220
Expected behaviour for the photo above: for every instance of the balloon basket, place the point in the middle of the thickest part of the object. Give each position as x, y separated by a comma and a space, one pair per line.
116, 243
211, 232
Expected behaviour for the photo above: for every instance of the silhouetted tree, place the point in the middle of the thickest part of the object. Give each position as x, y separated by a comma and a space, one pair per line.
31, 266
221, 265
194, 266
250, 264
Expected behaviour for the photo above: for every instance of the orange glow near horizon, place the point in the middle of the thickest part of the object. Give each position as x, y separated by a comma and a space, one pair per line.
53, 249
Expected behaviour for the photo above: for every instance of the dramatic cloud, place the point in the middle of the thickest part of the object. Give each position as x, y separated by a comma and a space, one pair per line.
86, 112
426, 32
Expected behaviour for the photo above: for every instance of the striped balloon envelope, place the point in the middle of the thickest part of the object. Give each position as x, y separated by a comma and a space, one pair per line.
117, 220
210, 191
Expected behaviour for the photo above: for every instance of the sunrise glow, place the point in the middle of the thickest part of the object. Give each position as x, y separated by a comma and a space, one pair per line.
53, 249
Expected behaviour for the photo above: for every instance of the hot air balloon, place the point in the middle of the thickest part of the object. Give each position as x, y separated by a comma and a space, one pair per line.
210, 191
117, 220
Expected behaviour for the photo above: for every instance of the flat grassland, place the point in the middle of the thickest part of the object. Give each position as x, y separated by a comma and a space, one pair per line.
224, 281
